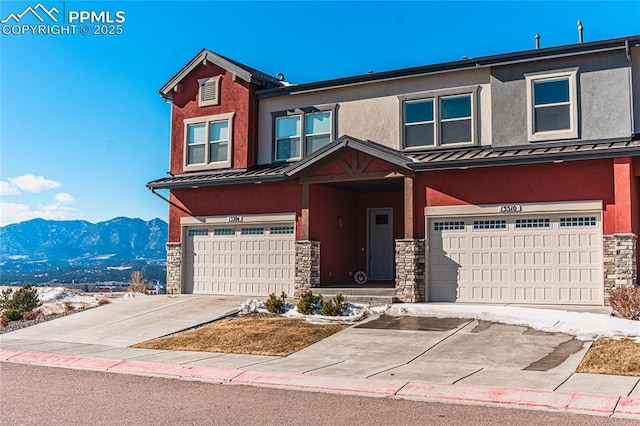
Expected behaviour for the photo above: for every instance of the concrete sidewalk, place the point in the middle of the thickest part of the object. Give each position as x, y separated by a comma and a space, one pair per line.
463, 361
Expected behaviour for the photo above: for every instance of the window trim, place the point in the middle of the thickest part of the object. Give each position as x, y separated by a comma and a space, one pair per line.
206, 120
572, 132
436, 95
302, 112
204, 81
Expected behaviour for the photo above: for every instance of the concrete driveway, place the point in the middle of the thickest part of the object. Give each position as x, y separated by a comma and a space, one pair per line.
444, 351
129, 321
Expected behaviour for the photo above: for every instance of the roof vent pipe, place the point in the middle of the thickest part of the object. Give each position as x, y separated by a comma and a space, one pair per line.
580, 30
537, 37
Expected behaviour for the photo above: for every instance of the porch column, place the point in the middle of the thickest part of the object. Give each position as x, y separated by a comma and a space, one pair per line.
410, 270
307, 268
174, 268
620, 268
408, 207
305, 211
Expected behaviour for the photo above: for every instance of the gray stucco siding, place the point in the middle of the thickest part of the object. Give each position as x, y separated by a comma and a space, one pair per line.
603, 97
635, 58
372, 111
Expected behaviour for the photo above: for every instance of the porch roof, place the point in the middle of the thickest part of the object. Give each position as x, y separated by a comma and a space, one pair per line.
373, 149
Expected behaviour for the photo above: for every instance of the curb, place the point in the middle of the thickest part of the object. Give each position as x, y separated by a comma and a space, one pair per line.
593, 404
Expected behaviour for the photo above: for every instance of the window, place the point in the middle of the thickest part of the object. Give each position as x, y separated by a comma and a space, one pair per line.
552, 105
224, 231
208, 142
448, 226
281, 230
532, 223
252, 231
301, 133
489, 224
566, 222
441, 118
198, 232
209, 91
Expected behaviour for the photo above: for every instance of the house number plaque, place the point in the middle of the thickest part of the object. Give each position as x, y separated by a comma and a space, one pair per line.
234, 218
511, 208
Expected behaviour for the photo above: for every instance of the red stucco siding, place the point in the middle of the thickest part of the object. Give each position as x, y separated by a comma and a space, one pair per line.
570, 181
283, 197
235, 96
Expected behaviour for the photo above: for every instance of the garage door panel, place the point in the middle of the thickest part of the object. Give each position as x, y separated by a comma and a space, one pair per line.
548, 259
244, 260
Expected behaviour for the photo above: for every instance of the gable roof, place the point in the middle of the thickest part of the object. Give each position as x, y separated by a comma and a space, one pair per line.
373, 149
244, 72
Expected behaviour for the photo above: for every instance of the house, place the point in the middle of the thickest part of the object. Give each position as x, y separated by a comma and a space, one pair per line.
503, 179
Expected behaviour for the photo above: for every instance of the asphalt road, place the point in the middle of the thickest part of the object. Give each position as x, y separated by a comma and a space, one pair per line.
33, 395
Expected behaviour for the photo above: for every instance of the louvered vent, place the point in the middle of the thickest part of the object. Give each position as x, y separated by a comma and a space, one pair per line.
210, 91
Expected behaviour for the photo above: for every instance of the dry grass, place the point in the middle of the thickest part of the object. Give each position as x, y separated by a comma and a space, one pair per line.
607, 356
252, 335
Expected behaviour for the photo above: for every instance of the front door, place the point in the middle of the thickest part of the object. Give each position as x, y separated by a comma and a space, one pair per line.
380, 244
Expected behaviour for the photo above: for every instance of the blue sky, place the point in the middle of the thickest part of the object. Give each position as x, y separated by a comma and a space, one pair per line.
82, 129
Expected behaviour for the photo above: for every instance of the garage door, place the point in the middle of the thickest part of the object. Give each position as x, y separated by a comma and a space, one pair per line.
250, 259
549, 259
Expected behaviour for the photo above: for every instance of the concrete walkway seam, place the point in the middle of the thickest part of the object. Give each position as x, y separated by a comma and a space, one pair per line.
603, 405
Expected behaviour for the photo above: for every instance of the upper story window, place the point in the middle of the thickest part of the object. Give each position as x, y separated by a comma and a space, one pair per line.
552, 105
300, 133
209, 91
208, 142
444, 118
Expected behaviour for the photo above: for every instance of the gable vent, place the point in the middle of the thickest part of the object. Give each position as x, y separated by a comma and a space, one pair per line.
209, 91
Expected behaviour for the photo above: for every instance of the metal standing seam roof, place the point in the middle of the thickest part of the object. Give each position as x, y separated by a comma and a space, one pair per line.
418, 161
488, 156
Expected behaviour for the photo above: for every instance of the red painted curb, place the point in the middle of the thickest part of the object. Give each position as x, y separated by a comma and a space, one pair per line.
209, 373
5, 354
482, 394
628, 406
604, 404
146, 367
323, 383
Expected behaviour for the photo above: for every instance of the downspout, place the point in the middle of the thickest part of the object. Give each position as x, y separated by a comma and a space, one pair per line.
631, 103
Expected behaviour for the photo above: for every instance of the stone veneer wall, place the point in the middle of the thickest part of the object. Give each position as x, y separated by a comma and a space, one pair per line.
174, 267
620, 267
307, 266
410, 270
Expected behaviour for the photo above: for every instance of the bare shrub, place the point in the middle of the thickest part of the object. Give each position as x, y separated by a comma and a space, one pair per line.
4, 321
625, 302
137, 282
104, 301
31, 315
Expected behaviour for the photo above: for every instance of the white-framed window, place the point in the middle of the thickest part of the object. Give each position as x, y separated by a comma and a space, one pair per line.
552, 105
438, 119
208, 142
300, 133
209, 91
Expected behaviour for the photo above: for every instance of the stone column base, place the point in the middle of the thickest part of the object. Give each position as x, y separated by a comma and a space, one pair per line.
307, 266
174, 268
620, 267
410, 270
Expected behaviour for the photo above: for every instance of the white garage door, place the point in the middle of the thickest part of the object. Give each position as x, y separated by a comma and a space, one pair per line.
548, 259
242, 259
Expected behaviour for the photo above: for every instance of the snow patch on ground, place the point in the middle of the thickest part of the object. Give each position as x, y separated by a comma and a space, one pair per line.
584, 326
353, 313
59, 299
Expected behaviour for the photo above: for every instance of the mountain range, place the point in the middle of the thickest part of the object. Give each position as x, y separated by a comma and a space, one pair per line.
40, 251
